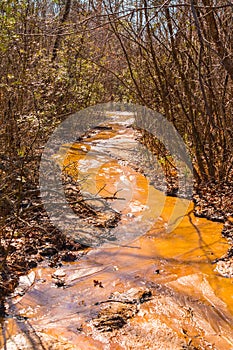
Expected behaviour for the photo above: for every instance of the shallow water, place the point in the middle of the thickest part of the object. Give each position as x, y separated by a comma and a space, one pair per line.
160, 246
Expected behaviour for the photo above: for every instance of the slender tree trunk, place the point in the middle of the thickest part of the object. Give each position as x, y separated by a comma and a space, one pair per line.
222, 52
58, 37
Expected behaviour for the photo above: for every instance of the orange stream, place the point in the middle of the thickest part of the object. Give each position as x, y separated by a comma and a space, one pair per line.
178, 259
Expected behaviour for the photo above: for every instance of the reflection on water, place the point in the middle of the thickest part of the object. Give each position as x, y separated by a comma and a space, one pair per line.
192, 305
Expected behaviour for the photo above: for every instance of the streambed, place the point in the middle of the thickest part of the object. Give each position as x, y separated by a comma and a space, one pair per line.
156, 287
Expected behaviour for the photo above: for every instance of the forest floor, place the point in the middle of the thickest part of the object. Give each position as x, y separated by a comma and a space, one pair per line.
29, 237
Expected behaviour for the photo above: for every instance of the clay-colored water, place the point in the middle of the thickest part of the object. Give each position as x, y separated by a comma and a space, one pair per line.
191, 305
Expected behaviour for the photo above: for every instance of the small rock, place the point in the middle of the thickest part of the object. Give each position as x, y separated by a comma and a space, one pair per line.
48, 251
60, 282
130, 215
68, 257
225, 268
132, 296
32, 264
119, 308
59, 273
114, 316
25, 282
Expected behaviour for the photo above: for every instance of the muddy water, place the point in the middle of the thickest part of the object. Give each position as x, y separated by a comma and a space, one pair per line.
190, 304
